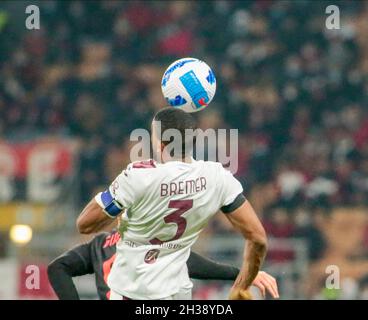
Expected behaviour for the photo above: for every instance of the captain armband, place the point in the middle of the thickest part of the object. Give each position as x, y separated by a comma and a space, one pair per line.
111, 206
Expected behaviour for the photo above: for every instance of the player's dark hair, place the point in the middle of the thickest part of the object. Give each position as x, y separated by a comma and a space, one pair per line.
180, 120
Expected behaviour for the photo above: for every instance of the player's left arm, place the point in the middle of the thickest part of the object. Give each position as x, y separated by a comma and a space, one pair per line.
106, 206
94, 218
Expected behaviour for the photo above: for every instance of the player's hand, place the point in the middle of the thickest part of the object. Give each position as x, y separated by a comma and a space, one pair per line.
237, 293
266, 283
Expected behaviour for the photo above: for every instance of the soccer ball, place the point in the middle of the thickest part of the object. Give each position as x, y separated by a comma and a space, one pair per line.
188, 84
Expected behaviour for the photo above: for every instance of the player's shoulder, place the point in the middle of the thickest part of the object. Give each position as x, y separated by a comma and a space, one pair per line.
214, 165
140, 168
143, 164
217, 171
140, 174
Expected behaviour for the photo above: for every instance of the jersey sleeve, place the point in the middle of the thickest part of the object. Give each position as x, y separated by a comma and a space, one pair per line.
122, 193
75, 262
232, 192
203, 268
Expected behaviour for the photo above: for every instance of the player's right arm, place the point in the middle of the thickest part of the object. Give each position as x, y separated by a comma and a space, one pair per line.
200, 267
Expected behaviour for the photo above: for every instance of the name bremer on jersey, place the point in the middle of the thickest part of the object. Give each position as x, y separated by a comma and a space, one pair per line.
183, 187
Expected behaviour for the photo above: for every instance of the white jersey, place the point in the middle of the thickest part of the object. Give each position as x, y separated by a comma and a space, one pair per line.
168, 205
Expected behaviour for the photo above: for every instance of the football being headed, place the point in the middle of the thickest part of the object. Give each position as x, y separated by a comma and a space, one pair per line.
188, 84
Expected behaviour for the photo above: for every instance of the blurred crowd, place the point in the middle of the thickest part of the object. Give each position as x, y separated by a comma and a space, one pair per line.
296, 91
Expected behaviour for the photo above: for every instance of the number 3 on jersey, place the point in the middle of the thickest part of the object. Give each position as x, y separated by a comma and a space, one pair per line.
182, 206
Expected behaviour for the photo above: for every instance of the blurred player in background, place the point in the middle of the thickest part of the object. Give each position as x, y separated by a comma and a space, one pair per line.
98, 255
168, 203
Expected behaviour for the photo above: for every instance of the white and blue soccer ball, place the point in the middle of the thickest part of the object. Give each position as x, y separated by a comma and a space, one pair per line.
188, 84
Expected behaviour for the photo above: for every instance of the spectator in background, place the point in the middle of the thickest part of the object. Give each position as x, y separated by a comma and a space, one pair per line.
296, 91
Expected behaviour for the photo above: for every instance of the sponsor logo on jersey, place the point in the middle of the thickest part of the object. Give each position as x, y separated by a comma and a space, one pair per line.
151, 256
111, 240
